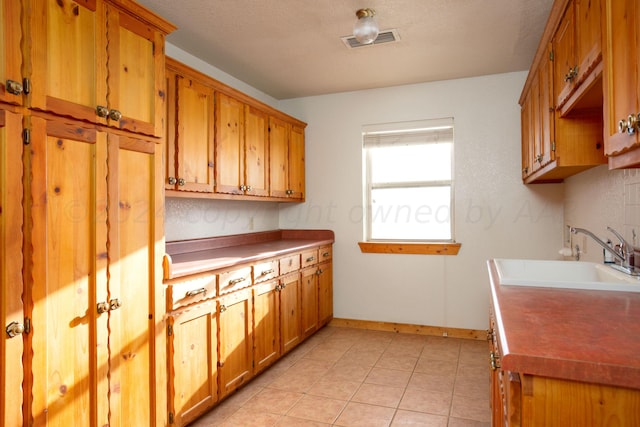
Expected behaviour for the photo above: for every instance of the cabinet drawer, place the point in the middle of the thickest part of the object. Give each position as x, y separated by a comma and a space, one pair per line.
265, 271
309, 258
289, 263
193, 289
234, 279
325, 253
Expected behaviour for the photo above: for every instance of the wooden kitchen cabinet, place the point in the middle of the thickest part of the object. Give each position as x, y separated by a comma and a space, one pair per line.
266, 324
192, 349
91, 290
309, 301
577, 54
325, 292
562, 118
12, 316
290, 314
11, 57
241, 148
190, 131
235, 366
286, 160
99, 61
621, 82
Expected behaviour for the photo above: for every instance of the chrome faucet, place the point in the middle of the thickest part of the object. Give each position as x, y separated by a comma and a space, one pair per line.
623, 253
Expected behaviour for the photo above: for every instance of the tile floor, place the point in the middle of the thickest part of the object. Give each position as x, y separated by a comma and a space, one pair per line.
354, 377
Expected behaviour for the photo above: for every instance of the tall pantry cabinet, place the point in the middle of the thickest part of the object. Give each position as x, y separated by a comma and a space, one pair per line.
88, 219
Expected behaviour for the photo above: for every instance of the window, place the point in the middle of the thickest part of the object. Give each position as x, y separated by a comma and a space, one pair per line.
408, 180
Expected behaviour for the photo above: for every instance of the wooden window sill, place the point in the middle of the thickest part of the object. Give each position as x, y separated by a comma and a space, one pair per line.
410, 248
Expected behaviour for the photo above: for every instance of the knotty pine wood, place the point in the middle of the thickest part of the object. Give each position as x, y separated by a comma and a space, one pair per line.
411, 248
11, 58
266, 326
437, 331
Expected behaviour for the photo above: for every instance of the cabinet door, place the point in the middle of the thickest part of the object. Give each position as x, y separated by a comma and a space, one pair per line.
588, 36
134, 287
194, 136
135, 60
68, 277
278, 158
547, 114
564, 56
229, 144
620, 75
266, 326
10, 51
309, 301
69, 66
296, 163
325, 293
256, 151
527, 128
192, 361
11, 263
290, 319
236, 346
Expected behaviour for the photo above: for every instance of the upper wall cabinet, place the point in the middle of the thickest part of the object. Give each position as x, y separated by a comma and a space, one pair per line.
11, 59
562, 97
98, 62
622, 83
190, 127
224, 144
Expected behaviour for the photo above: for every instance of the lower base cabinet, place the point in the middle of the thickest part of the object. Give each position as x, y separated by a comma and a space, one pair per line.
193, 361
220, 342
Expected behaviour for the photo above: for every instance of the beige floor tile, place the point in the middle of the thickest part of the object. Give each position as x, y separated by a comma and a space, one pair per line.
317, 408
447, 367
460, 422
431, 402
341, 390
273, 401
291, 381
361, 357
431, 382
472, 408
388, 377
401, 363
348, 372
418, 419
363, 415
288, 421
380, 395
246, 418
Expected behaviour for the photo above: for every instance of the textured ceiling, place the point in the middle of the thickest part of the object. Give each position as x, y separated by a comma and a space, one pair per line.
293, 48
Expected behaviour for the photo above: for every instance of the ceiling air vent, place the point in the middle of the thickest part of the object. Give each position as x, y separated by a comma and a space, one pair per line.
386, 36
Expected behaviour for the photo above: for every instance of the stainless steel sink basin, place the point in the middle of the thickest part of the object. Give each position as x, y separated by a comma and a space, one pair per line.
564, 274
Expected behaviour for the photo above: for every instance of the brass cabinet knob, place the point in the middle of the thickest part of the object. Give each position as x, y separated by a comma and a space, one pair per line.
572, 74
632, 124
115, 115
181, 182
114, 304
223, 308
172, 180
14, 329
102, 307
14, 87
102, 111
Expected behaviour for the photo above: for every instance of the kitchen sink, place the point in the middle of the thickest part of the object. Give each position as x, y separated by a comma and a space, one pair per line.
564, 274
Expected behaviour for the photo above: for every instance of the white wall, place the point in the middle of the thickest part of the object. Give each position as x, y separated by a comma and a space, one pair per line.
496, 215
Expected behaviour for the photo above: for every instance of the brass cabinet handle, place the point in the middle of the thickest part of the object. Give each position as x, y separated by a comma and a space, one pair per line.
494, 361
115, 115
632, 124
326, 254
243, 187
223, 308
572, 74
196, 292
264, 273
114, 304
172, 180
14, 87
236, 281
102, 111
278, 288
319, 271
14, 329
181, 182
102, 307
311, 258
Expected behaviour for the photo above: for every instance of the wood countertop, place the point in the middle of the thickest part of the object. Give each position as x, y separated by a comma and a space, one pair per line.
580, 335
188, 257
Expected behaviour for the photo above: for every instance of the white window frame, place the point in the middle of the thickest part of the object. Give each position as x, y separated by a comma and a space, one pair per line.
431, 131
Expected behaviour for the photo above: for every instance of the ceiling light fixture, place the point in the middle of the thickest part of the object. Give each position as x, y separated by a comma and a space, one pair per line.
365, 30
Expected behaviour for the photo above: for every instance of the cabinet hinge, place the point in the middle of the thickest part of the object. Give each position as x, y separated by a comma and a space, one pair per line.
169, 330
27, 325
26, 85
26, 136
550, 55
553, 146
171, 418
